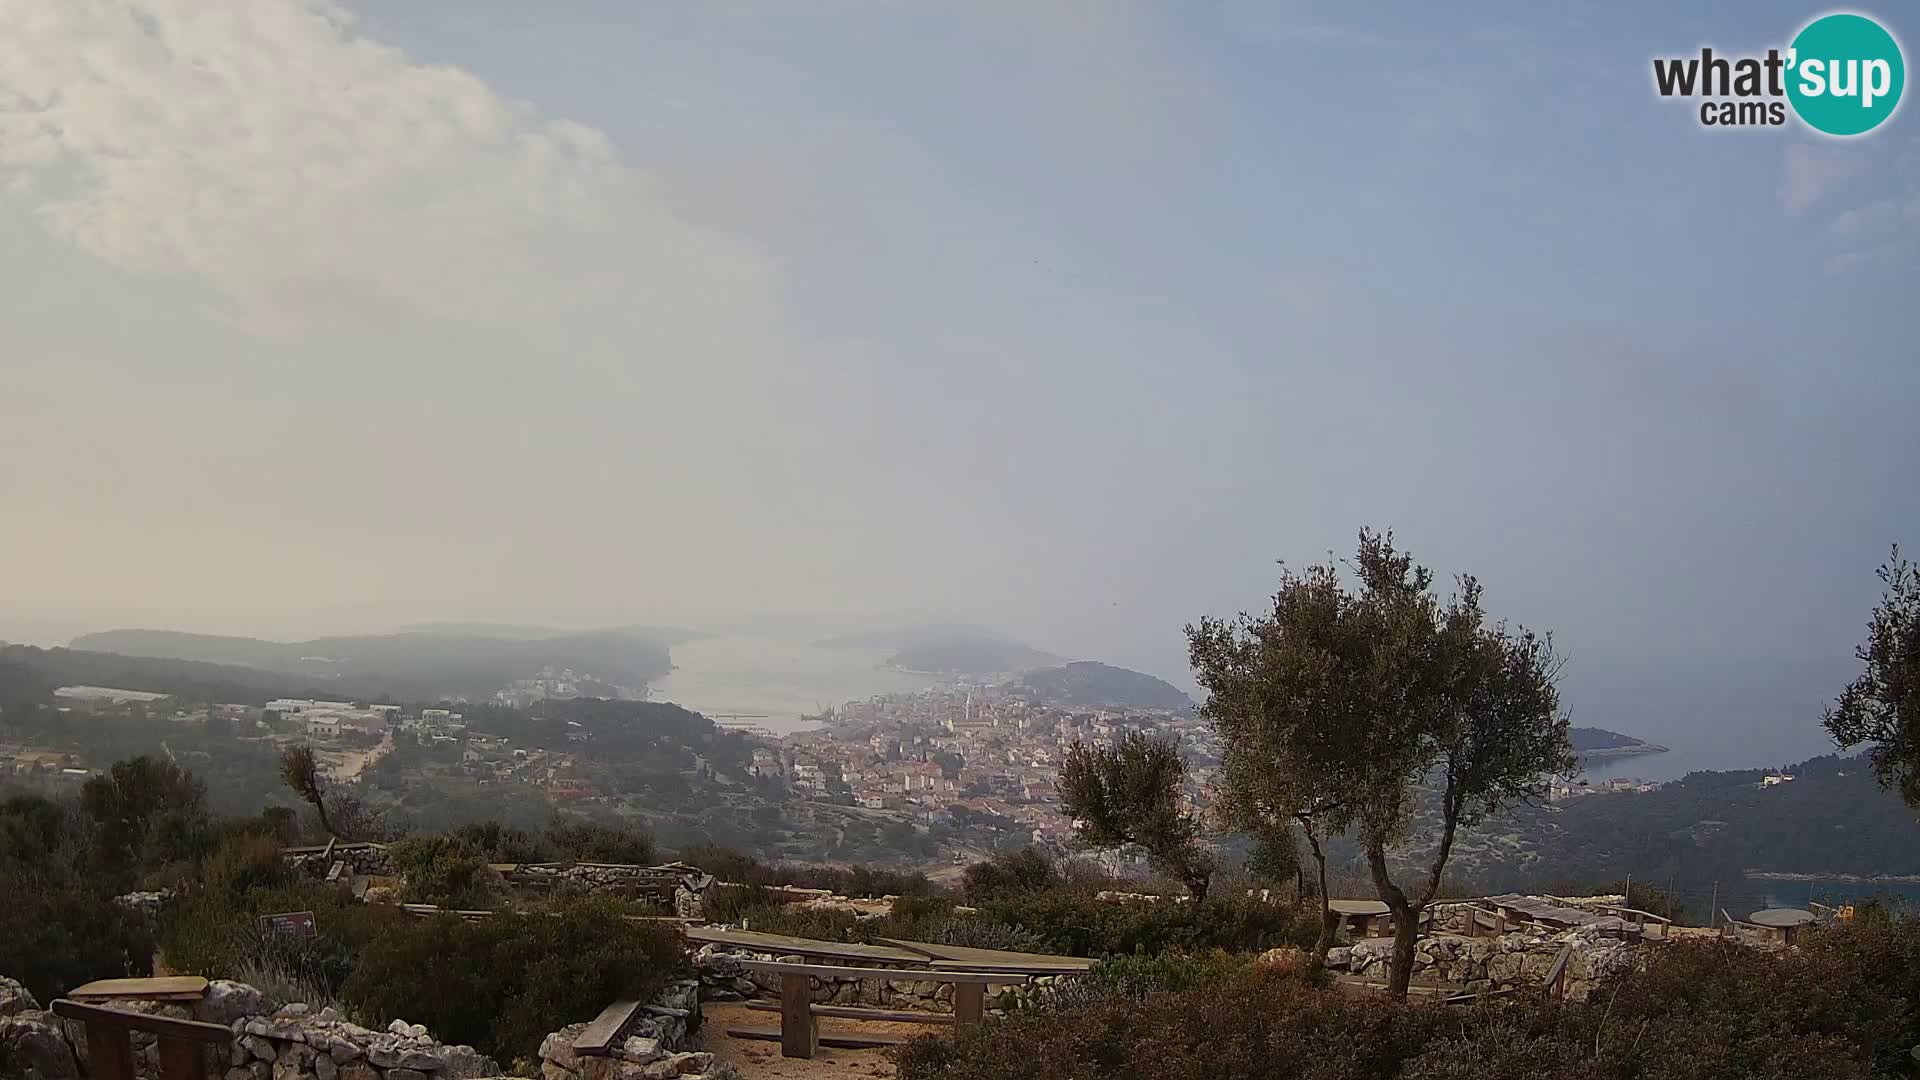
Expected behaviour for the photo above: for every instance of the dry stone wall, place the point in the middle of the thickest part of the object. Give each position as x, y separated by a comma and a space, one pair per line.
291, 1043
1480, 965
724, 978
661, 1042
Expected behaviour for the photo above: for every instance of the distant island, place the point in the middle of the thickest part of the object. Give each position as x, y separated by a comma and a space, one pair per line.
1593, 742
416, 665
1089, 683
948, 649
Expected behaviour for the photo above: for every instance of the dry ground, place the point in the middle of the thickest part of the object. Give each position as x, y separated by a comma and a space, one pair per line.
762, 1060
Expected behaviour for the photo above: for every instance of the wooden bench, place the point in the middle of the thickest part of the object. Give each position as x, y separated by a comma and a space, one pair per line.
182, 1043
163, 988
799, 1032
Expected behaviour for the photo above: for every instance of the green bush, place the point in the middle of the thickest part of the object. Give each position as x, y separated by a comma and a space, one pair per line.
587, 841
1072, 922
59, 924
501, 984
1138, 975
496, 842
216, 933
860, 881
1009, 873
447, 871
58, 933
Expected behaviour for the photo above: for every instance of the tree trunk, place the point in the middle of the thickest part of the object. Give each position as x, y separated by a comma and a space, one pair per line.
320, 807
1406, 923
1197, 885
1329, 922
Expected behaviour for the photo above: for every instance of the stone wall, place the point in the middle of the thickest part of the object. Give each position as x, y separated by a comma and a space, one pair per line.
724, 978
292, 1043
686, 885
362, 859
661, 1042
1479, 965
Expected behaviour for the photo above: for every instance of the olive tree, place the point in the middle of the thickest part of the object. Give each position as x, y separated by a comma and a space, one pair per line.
1285, 716
1881, 708
1380, 711
300, 770
1133, 792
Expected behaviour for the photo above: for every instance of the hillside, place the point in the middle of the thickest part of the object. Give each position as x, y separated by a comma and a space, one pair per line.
414, 665
29, 674
975, 656
1831, 820
1090, 683
948, 649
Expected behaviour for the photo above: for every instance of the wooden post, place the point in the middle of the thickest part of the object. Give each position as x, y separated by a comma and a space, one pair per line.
799, 1031
969, 1003
110, 1050
180, 1059
109, 1053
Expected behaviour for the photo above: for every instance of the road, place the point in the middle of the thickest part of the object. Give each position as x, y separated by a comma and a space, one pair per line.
347, 765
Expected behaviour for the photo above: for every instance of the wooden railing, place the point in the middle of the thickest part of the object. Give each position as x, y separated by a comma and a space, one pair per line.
182, 1043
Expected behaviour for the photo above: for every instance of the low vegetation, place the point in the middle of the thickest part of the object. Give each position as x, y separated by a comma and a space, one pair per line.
502, 984
1847, 1007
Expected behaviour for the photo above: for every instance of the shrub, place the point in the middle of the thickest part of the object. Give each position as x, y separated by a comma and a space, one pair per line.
1074, 923
216, 933
503, 983
496, 842
58, 933
1257, 1025
981, 934
1009, 873
860, 881
1842, 1008
445, 870
59, 924
587, 841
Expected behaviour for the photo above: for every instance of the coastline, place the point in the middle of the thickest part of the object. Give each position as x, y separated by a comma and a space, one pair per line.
1850, 879
1606, 752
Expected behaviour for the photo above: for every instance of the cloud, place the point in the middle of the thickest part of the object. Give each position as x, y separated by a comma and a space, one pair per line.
1810, 171
309, 175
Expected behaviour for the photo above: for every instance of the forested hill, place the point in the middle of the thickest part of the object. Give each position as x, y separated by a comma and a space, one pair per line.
1089, 683
410, 666
1831, 819
28, 675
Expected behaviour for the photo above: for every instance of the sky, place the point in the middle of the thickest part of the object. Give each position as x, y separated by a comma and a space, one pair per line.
1070, 318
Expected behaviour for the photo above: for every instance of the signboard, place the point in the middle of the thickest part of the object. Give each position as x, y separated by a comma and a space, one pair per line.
290, 924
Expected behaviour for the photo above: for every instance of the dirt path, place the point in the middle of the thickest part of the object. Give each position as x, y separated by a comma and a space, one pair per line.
351, 763
762, 1061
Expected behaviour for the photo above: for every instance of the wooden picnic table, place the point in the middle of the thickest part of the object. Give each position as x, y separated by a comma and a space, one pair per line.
799, 1031
1527, 909
961, 958
786, 945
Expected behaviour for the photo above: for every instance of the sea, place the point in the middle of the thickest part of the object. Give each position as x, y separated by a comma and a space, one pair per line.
774, 681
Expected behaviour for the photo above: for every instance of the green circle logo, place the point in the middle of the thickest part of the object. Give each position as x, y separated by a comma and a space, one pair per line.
1845, 74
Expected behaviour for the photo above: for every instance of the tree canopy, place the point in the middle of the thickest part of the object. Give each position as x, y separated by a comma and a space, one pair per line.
1881, 708
1133, 793
1343, 707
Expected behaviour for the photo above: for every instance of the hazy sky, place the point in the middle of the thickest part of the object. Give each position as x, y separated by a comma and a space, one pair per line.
1066, 316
